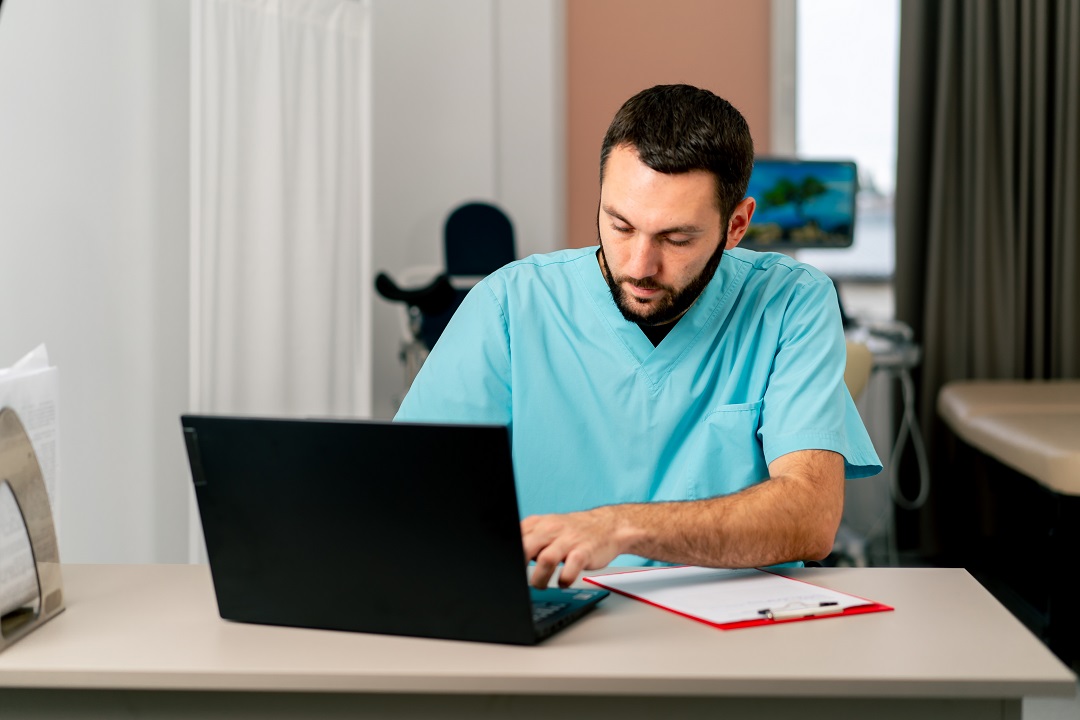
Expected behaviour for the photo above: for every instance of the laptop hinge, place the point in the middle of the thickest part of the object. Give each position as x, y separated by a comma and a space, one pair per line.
191, 439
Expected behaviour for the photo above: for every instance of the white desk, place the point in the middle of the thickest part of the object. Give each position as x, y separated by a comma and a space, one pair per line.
146, 641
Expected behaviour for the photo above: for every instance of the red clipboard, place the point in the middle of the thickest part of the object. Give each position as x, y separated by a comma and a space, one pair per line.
731, 599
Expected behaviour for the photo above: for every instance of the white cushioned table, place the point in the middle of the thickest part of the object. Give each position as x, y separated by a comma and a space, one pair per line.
1031, 426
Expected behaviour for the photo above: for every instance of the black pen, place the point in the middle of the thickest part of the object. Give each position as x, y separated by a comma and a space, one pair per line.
823, 608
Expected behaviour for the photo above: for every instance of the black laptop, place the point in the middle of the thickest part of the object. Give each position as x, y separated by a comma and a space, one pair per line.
398, 528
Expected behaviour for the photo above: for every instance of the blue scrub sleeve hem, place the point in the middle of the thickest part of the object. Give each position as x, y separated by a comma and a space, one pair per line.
855, 471
856, 465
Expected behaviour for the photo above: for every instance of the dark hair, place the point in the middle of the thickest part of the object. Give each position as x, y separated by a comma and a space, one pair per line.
679, 128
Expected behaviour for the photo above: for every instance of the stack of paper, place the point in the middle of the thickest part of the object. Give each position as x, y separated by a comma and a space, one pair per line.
30, 387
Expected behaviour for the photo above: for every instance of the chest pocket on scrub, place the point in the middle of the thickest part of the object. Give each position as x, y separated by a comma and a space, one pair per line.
732, 449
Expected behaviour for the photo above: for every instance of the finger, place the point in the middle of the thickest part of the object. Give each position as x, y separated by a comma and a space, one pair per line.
541, 575
537, 532
572, 566
546, 563
526, 546
533, 542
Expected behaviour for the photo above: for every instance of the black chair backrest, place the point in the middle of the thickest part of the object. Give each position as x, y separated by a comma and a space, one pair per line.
478, 239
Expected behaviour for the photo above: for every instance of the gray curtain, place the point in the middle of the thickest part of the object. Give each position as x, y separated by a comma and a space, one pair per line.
987, 200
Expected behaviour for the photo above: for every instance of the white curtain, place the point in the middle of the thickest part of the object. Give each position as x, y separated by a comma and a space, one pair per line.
280, 254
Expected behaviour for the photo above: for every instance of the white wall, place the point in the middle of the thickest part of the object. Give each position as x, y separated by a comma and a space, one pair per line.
94, 215
93, 256
468, 104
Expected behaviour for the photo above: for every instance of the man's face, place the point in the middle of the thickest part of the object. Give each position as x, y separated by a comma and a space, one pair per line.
661, 237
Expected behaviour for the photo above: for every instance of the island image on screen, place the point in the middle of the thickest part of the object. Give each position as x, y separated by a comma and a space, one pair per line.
802, 204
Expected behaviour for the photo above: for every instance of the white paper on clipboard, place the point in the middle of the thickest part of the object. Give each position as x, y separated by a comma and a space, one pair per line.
726, 598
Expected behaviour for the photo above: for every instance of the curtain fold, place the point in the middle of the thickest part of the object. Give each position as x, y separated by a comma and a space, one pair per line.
988, 201
280, 265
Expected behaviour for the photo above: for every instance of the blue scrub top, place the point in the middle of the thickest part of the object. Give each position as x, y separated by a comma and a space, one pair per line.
754, 370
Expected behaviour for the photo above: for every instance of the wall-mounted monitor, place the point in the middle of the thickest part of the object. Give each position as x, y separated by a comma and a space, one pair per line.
802, 204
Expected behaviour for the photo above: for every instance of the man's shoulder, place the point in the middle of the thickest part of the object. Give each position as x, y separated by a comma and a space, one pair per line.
776, 268
540, 270
559, 260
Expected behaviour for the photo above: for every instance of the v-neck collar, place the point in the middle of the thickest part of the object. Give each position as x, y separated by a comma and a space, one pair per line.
657, 362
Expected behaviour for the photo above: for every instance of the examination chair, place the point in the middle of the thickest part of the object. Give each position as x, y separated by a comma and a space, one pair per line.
849, 548
478, 238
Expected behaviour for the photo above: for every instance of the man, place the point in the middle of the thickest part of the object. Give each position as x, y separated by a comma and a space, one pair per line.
671, 398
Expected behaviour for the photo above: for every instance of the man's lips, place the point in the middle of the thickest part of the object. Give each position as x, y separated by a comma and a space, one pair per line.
642, 292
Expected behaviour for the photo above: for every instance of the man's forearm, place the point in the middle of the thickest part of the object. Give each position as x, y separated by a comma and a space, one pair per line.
773, 522
791, 516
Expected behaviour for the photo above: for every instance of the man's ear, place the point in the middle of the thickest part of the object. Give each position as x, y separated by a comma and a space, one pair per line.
739, 222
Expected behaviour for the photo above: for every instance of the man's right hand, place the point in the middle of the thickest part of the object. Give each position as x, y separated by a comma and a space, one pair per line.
586, 540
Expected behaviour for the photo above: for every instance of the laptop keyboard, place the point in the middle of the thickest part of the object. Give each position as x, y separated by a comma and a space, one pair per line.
541, 611
554, 608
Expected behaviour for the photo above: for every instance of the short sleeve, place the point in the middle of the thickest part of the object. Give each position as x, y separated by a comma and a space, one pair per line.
466, 378
807, 405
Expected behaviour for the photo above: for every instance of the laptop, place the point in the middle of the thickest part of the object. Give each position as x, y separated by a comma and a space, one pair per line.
369, 526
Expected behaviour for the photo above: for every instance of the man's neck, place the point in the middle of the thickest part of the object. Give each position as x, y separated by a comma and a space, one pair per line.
657, 333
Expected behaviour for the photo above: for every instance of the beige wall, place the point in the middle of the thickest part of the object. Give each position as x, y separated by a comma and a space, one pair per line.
618, 47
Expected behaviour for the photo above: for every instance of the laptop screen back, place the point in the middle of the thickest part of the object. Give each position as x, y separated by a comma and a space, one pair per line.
359, 525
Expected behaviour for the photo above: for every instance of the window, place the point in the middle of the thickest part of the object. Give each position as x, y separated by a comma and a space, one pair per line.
845, 70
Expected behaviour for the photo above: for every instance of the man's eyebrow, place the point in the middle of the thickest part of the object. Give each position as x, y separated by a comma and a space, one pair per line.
615, 214
678, 229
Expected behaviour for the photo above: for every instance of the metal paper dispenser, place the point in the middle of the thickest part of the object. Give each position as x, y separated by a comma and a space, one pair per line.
20, 470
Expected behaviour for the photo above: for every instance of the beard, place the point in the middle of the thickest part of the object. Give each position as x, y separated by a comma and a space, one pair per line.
672, 304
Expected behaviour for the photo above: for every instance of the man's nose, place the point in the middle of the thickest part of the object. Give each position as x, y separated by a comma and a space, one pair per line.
644, 260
